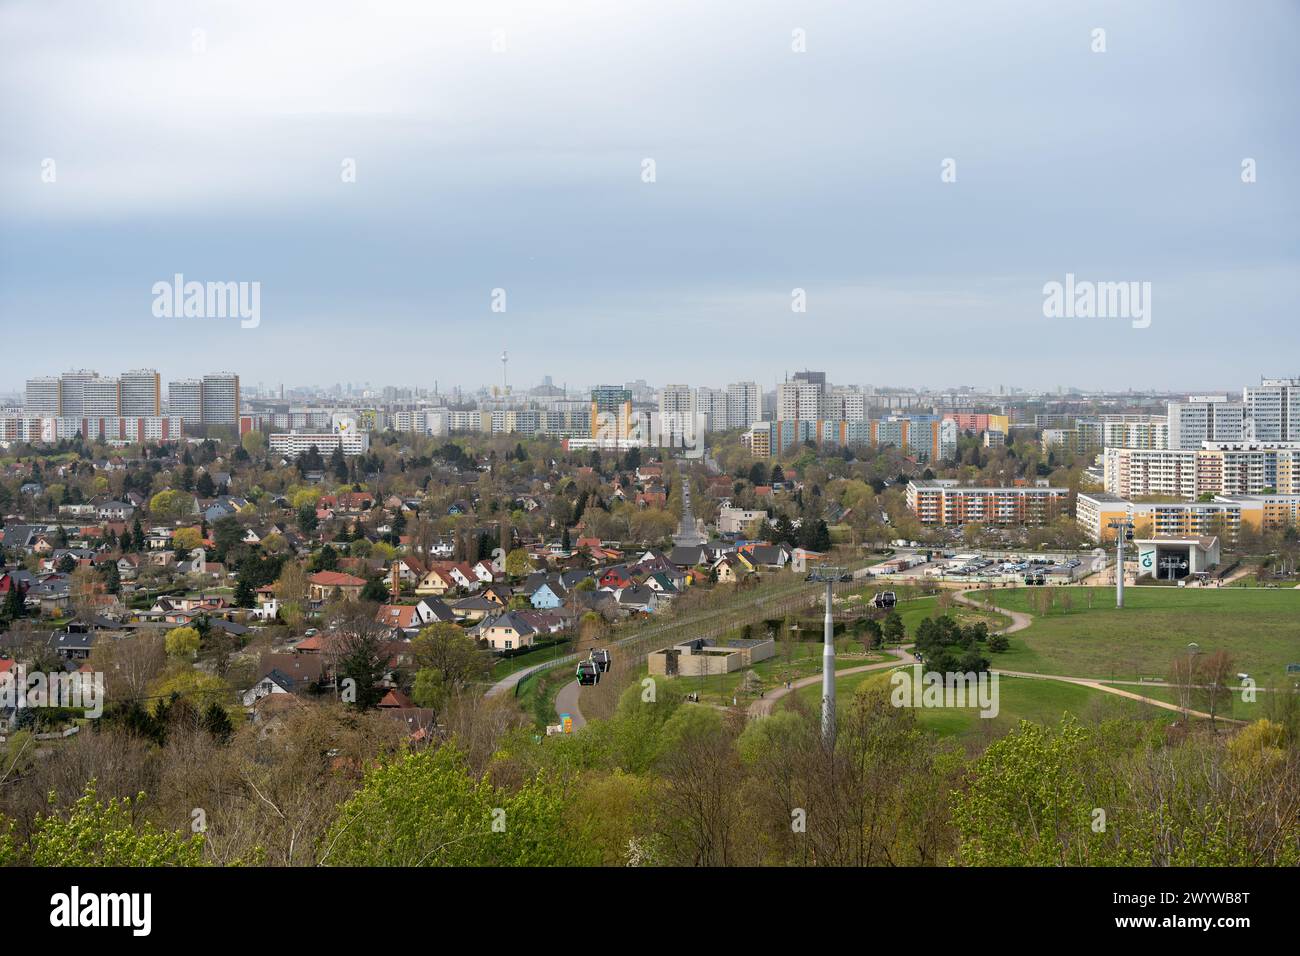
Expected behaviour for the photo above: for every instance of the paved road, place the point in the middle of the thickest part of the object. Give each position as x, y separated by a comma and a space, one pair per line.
566, 702
688, 533
764, 705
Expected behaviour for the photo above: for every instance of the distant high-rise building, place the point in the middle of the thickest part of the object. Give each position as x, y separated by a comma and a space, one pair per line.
141, 392
800, 401
1205, 418
101, 398
676, 414
185, 401
712, 404
221, 399
43, 396
72, 392
744, 404
1273, 409
611, 412
847, 403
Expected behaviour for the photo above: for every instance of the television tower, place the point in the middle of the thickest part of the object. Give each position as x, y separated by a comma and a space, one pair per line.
505, 358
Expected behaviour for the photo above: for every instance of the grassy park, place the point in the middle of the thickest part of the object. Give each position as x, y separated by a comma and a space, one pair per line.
1091, 638
1038, 701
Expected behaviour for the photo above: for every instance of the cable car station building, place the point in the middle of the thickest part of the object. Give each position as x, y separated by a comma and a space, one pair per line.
1169, 558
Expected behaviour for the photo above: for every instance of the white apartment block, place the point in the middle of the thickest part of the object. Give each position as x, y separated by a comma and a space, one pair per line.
293, 444
847, 404
101, 398
221, 399
1205, 418
185, 400
1218, 468
72, 392
712, 404
676, 415
744, 404
42, 396
800, 401
1273, 410
112, 428
141, 393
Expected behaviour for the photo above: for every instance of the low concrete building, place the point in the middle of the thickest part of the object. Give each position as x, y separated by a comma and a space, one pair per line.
702, 657
1174, 558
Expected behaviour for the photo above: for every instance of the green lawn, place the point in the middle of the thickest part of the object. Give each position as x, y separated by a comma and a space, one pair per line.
1038, 701
506, 666
720, 688
1260, 629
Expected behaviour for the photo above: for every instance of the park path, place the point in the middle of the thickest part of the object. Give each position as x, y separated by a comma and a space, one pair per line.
1020, 621
566, 702
509, 682
1119, 692
764, 705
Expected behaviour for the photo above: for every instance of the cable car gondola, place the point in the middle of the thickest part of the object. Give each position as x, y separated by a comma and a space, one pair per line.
601, 659
588, 672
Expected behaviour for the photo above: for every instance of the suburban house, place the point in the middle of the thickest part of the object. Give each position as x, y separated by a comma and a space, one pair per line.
324, 584
508, 632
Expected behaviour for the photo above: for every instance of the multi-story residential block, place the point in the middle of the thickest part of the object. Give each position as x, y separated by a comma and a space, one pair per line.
977, 422
744, 404
1225, 515
141, 393
800, 401
72, 392
109, 428
293, 444
221, 399
1218, 468
43, 396
185, 400
947, 503
1205, 418
712, 403
1273, 410
676, 415
925, 437
212, 400
101, 398
847, 403
611, 413
1135, 431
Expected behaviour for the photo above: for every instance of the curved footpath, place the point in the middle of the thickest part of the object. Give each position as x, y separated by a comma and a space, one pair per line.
1020, 621
764, 705
566, 702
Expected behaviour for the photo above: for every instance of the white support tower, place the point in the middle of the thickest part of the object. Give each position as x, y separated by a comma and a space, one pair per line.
828, 576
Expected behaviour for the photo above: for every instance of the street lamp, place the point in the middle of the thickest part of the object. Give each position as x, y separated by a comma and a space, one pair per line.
828, 575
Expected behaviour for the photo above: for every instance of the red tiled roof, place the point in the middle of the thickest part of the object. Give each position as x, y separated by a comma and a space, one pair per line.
336, 579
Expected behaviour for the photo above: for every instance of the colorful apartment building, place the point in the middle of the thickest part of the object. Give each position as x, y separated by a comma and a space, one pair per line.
1224, 516
1217, 468
979, 422
943, 501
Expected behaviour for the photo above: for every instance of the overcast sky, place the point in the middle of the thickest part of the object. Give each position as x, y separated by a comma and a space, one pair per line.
218, 154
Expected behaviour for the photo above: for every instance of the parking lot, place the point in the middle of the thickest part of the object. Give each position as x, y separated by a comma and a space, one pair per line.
976, 567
